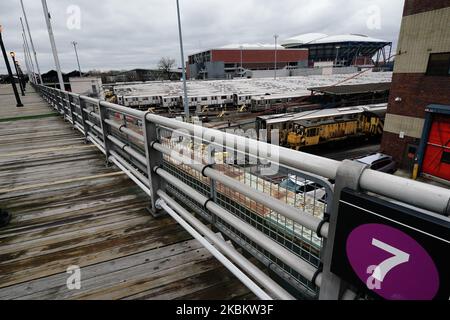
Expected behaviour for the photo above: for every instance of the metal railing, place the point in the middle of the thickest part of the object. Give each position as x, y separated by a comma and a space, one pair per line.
274, 203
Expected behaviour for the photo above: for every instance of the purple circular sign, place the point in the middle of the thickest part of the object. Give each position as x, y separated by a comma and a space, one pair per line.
391, 263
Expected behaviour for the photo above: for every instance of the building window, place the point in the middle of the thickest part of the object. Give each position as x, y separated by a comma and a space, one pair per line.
439, 64
446, 157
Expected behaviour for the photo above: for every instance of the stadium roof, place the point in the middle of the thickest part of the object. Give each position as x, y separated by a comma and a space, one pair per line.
320, 38
251, 46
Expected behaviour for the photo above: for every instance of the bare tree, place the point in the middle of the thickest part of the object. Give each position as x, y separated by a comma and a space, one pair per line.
165, 65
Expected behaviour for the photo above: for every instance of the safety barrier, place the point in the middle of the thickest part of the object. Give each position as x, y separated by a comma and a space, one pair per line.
277, 204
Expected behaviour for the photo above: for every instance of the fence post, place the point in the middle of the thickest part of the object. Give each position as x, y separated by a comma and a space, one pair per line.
72, 113
105, 130
348, 176
61, 105
83, 119
154, 160
213, 189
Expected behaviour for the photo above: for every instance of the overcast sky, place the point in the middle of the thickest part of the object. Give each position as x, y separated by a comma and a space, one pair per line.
124, 34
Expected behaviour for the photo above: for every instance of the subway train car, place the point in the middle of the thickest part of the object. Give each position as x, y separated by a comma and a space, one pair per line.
310, 128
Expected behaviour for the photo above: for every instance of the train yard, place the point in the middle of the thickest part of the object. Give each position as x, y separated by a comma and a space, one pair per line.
217, 98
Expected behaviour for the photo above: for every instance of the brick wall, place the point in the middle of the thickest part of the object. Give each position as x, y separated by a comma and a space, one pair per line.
417, 92
396, 147
259, 56
419, 6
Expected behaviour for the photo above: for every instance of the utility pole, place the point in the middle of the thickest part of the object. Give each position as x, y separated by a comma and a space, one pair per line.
276, 52
27, 48
19, 80
337, 55
242, 59
27, 64
76, 54
31, 42
8, 67
183, 67
28, 51
52, 42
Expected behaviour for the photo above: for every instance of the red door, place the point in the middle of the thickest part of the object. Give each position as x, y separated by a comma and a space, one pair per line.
437, 154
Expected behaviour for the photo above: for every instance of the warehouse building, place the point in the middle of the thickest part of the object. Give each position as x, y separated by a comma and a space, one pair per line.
343, 50
236, 60
417, 129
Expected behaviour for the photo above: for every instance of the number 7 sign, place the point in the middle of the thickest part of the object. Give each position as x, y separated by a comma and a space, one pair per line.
399, 257
400, 267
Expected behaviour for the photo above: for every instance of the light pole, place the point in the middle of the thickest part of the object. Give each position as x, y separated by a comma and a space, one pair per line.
52, 42
183, 68
19, 80
337, 54
76, 54
276, 52
34, 80
27, 48
8, 67
27, 64
242, 64
32, 44
22, 76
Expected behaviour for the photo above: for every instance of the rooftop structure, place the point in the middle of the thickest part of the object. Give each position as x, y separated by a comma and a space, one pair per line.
235, 59
345, 50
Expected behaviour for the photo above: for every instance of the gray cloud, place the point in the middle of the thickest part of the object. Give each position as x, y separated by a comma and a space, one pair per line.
118, 34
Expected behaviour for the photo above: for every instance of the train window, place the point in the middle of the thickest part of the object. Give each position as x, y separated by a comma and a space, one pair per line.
224, 97
204, 99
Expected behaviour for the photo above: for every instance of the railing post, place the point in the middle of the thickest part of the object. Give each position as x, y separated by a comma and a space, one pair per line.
72, 114
105, 130
154, 160
348, 176
213, 190
61, 105
83, 119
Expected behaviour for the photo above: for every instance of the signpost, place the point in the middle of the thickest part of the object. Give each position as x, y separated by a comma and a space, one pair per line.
390, 251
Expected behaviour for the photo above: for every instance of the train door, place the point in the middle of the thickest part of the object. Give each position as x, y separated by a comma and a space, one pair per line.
437, 155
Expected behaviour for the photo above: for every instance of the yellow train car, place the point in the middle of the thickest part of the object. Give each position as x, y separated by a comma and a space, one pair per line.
305, 129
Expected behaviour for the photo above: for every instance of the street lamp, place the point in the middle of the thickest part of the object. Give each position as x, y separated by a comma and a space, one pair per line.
276, 52
19, 80
183, 68
242, 65
31, 43
337, 54
8, 67
28, 55
76, 54
53, 44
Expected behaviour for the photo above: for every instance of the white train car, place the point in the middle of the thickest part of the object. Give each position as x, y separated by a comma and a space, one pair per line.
170, 101
266, 101
210, 100
242, 99
139, 101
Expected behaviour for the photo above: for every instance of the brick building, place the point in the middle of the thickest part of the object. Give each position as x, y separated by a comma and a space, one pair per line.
234, 60
417, 128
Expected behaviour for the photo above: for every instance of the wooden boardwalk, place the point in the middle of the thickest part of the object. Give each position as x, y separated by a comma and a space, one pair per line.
70, 210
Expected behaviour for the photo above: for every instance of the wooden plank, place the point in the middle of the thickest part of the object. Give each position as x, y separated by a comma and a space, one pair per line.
68, 208
57, 283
